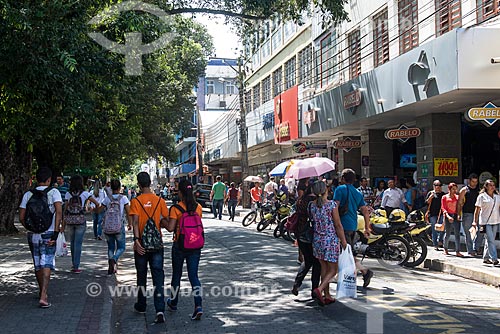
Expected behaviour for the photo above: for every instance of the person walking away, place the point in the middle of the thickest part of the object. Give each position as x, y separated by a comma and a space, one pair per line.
43, 245
116, 241
433, 214
366, 191
328, 235
467, 198
74, 218
149, 212
271, 189
100, 195
410, 195
256, 195
304, 236
487, 216
217, 196
449, 204
180, 254
348, 201
232, 199
393, 198
379, 194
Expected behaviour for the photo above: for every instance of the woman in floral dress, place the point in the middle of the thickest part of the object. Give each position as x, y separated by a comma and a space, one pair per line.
328, 235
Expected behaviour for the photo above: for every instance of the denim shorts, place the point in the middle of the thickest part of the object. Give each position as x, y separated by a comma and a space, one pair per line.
43, 254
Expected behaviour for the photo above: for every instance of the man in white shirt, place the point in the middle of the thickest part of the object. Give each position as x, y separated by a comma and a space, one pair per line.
43, 245
393, 197
271, 189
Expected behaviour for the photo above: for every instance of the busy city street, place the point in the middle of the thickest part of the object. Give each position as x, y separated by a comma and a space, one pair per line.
246, 278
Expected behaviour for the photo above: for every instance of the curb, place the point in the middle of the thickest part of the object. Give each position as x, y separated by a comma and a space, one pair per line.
465, 272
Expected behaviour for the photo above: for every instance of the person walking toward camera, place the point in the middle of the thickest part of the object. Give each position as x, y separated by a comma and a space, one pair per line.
467, 198
328, 236
449, 204
217, 196
42, 241
97, 215
149, 212
487, 216
433, 213
186, 209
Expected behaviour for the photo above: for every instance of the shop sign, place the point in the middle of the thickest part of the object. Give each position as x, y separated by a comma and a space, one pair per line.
445, 166
403, 133
352, 99
347, 144
237, 169
309, 116
299, 147
489, 114
283, 132
223, 171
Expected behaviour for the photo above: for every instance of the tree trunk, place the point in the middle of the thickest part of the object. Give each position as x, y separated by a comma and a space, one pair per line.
15, 166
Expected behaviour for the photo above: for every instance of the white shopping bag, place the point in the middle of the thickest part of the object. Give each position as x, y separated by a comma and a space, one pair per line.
61, 246
346, 282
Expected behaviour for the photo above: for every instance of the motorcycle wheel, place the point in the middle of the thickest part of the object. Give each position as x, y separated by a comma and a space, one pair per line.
262, 225
418, 252
249, 218
277, 231
288, 236
396, 252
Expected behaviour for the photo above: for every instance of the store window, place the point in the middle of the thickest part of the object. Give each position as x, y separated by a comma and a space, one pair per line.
210, 87
408, 25
290, 73
380, 38
487, 9
277, 81
354, 40
305, 66
448, 16
266, 89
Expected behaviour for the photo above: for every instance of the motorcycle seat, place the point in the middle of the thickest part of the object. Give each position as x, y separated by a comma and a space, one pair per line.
384, 228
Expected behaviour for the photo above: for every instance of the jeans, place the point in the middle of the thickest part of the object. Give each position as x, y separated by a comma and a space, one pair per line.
97, 219
155, 260
192, 262
491, 232
309, 261
75, 237
231, 208
217, 205
455, 226
467, 219
116, 242
437, 236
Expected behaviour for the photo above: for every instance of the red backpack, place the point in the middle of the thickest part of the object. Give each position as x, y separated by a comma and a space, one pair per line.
192, 235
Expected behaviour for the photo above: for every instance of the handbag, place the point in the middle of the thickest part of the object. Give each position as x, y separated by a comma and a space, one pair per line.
345, 208
439, 227
482, 228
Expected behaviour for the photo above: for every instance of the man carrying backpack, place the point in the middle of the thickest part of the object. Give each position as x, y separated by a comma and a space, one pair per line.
43, 227
149, 212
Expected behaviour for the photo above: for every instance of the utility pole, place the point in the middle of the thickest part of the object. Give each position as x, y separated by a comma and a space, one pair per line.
243, 134
199, 146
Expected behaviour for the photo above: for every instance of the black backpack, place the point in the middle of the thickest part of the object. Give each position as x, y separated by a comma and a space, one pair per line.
38, 215
151, 237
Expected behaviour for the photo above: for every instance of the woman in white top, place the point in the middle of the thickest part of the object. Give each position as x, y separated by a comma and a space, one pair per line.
487, 215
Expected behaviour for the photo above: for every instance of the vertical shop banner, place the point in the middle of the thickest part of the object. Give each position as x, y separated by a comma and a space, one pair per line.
445, 166
286, 108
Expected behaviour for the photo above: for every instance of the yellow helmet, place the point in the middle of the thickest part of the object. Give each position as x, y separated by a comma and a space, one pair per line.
397, 216
381, 213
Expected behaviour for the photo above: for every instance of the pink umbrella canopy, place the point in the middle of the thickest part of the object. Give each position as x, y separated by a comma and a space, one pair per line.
310, 167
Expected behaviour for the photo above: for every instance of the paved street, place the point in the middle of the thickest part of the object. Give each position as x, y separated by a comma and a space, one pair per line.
246, 278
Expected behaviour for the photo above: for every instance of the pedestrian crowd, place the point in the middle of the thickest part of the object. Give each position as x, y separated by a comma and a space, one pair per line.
47, 215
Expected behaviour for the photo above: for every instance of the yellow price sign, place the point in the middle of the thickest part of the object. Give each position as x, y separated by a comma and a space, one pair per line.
445, 167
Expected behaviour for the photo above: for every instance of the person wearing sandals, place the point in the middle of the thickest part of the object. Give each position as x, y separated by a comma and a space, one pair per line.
449, 205
188, 203
487, 216
116, 242
328, 236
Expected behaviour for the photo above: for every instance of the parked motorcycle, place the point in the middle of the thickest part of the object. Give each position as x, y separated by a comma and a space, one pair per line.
384, 243
258, 215
279, 211
418, 237
280, 230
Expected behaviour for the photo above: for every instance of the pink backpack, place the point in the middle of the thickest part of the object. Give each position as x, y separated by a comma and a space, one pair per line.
192, 235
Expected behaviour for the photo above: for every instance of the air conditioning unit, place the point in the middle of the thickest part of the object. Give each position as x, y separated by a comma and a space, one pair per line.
222, 104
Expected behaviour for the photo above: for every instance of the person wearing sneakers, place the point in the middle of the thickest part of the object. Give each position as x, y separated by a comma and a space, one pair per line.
43, 245
143, 208
449, 205
347, 196
466, 205
192, 257
487, 216
116, 242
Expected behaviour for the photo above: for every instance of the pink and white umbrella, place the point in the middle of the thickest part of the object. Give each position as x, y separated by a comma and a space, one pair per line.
310, 167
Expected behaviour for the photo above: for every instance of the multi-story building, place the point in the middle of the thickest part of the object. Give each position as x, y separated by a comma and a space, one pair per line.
404, 86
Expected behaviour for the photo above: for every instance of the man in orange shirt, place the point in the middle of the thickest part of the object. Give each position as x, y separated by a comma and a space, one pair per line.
255, 194
143, 207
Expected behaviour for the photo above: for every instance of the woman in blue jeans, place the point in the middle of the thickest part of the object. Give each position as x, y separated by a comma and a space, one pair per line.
487, 216
187, 203
97, 216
